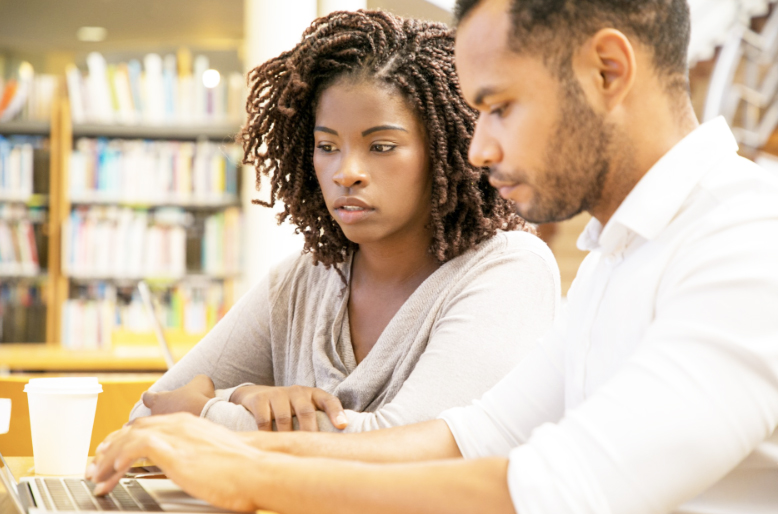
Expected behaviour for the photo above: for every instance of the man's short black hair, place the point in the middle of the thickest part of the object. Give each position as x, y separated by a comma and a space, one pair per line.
553, 28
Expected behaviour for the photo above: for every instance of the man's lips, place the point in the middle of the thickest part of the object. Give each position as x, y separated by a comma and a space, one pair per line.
505, 188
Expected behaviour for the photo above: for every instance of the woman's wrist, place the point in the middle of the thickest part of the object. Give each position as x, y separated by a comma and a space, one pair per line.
238, 392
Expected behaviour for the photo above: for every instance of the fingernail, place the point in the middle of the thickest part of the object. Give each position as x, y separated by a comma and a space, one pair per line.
90, 470
341, 419
99, 488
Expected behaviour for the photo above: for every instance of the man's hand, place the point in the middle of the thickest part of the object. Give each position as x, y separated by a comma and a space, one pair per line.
193, 452
268, 403
190, 398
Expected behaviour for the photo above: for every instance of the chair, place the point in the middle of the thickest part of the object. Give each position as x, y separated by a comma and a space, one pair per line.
744, 84
120, 392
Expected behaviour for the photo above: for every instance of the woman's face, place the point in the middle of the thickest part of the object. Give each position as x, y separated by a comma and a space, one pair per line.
371, 160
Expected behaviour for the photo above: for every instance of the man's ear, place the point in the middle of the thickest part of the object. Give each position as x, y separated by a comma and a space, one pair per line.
605, 66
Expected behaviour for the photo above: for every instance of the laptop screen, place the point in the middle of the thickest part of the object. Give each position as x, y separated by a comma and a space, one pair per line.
9, 496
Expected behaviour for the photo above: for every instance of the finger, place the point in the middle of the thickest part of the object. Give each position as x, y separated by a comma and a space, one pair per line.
149, 399
106, 486
332, 406
305, 410
263, 415
282, 412
103, 448
136, 445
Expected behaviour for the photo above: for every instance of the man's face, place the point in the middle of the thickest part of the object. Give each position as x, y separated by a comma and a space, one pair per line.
546, 148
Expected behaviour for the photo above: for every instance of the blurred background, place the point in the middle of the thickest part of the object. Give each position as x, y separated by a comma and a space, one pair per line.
117, 160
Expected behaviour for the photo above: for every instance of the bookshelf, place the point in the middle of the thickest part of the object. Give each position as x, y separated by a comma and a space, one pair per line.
191, 222
133, 175
25, 260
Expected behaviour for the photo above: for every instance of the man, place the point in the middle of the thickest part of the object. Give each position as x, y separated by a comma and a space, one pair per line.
660, 395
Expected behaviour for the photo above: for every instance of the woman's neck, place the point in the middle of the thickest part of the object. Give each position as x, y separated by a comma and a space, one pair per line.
394, 263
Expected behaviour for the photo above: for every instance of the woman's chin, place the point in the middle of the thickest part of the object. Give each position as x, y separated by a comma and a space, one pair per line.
361, 235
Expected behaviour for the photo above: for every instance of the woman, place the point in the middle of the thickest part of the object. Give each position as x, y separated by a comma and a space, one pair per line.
415, 291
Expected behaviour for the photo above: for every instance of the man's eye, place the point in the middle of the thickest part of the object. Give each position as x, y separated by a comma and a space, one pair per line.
498, 110
383, 148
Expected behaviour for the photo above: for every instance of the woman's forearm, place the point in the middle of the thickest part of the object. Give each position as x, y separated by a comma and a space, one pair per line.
431, 440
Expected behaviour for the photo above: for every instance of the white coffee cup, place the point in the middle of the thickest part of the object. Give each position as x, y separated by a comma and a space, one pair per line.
5, 415
62, 412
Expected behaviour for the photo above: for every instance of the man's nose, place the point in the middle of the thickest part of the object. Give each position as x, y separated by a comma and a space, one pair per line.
484, 150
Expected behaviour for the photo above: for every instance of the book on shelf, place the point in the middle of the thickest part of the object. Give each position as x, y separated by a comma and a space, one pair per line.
124, 243
160, 90
24, 163
20, 236
154, 172
221, 243
112, 242
27, 95
22, 313
99, 311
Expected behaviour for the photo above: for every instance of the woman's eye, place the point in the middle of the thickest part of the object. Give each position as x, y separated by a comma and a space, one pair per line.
383, 147
325, 147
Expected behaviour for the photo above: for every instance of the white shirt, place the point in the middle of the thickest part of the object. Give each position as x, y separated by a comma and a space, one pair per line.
661, 393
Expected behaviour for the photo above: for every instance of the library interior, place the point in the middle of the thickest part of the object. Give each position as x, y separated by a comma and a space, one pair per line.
121, 171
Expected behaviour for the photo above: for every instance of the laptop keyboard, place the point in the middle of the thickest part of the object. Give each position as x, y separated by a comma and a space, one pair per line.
76, 494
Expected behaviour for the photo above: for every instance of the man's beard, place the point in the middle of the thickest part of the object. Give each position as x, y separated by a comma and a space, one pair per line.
577, 161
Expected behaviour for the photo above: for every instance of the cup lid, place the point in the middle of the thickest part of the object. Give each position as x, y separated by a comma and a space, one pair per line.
64, 385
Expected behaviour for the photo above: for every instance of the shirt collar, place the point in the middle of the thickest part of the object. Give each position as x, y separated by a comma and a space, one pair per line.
659, 195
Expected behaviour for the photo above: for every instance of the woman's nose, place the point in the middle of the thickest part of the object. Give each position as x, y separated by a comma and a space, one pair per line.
351, 173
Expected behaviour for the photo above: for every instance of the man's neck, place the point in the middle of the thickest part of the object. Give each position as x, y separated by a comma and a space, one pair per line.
637, 151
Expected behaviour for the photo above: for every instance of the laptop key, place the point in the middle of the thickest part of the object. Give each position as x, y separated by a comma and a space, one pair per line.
143, 498
119, 499
44, 495
80, 493
59, 495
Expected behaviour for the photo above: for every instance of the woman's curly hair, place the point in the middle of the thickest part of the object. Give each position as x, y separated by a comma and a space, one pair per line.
416, 58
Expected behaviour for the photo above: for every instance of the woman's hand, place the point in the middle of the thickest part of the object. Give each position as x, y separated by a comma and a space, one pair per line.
205, 459
269, 403
190, 398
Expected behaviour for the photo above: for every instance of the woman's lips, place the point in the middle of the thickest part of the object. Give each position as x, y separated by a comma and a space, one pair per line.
352, 214
351, 209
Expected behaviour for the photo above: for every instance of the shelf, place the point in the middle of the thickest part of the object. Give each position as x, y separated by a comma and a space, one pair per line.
20, 275
40, 278
29, 201
42, 357
215, 131
25, 127
188, 203
192, 277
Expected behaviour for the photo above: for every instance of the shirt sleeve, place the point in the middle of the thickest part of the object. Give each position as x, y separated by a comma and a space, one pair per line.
497, 317
698, 396
236, 351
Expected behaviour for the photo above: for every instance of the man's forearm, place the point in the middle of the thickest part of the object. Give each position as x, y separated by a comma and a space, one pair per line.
292, 485
431, 440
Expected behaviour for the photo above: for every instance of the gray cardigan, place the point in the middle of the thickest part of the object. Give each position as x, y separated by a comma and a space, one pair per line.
461, 331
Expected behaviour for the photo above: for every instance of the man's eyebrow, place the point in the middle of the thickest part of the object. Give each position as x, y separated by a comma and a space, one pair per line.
325, 129
382, 127
484, 92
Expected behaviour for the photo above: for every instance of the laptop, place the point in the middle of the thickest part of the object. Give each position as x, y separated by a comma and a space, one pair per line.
145, 297
36, 495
